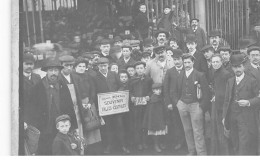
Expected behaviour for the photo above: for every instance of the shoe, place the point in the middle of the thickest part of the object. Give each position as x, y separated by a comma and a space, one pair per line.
177, 147
157, 149
140, 147
126, 150
162, 146
107, 150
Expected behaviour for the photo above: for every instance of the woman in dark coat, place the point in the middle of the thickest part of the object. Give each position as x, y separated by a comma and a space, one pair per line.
219, 143
87, 94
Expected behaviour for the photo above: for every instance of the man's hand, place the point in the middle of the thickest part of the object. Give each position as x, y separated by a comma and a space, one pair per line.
226, 132
73, 145
133, 99
170, 107
243, 103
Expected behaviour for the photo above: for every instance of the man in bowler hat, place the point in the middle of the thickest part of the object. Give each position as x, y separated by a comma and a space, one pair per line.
241, 101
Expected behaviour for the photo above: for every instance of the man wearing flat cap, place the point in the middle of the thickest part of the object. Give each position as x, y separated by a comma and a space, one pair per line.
106, 81
197, 31
169, 86
30, 79
242, 99
50, 98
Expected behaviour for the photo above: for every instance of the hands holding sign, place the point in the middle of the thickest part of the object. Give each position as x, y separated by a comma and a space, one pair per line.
140, 100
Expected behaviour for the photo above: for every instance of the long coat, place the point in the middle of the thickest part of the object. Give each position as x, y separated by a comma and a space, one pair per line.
248, 90
141, 23
122, 64
200, 63
219, 144
201, 79
62, 145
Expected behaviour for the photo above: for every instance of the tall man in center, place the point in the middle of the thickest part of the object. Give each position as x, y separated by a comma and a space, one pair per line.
191, 97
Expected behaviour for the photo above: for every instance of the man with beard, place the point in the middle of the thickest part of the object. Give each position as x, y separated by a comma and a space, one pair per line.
105, 48
214, 40
126, 59
175, 126
197, 31
158, 66
225, 53
242, 99
191, 98
219, 143
30, 79
253, 69
200, 62
162, 37
51, 98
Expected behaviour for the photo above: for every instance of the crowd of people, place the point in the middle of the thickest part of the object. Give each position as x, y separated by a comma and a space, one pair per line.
173, 80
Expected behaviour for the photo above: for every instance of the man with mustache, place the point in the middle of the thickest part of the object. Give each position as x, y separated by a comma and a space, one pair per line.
30, 79
105, 46
192, 103
162, 37
196, 30
242, 99
51, 98
215, 40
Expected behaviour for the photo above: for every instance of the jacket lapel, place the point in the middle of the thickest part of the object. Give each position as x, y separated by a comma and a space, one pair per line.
180, 80
242, 83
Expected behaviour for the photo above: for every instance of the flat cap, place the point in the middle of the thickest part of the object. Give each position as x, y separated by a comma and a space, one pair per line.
148, 42
146, 54
224, 48
28, 57
159, 49
253, 48
62, 118
102, 60
207, 48
135, 43
88, 55
126, 46
104, 41
66, 58
190, 38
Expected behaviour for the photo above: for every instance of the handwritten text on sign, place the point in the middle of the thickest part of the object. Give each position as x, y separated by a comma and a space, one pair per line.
113, 102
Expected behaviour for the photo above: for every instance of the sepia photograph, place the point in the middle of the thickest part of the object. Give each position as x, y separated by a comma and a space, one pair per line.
135, 78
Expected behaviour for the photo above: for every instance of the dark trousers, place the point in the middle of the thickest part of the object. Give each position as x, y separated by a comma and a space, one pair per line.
114, 127
244, 132
137, 119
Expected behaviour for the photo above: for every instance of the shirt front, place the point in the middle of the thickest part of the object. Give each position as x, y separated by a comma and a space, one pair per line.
126, 60
193, 52
254, 65
179, 69
238, 79
28, 75
188, 72
67, 77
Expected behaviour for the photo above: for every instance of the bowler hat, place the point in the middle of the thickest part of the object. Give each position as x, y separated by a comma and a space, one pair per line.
214, 33
237, 59
191, 38
139, 63
159, 49
162, 31
177, 53
52, 63
88, 55
156, 85
102, 60
62, 118
126, 46
148, 42
67, 58
27, 57
104, 41
206, 48
134, 43
194, 19
253, 48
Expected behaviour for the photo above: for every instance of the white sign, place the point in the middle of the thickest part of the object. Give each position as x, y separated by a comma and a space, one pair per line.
113, 102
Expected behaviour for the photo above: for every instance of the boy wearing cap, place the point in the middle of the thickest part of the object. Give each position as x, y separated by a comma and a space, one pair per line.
64, 143
131, 71
140, 89
242, 99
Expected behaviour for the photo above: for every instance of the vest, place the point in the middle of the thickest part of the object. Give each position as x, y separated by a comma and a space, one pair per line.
234, 106
188, 94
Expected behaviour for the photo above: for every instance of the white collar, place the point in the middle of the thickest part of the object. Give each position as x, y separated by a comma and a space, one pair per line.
179, 68
188, 72
192, 53
238, 79
67, 77
105, 75
254, 66
194, 29
28, 75
126, 60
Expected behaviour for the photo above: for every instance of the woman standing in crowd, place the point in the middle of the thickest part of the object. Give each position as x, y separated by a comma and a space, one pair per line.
87, 94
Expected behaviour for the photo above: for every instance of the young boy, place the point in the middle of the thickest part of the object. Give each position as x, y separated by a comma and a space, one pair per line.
131, 71
140, 90
64, 143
